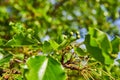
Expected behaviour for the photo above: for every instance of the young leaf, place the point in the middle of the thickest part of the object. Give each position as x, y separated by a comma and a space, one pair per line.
44, 68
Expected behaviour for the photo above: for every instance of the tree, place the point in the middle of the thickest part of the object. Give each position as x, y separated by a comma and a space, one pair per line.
59, 39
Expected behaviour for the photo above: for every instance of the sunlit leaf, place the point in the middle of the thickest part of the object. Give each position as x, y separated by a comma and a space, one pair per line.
44, 68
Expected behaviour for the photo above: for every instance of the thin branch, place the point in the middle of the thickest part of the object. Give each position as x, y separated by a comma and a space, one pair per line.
71, 66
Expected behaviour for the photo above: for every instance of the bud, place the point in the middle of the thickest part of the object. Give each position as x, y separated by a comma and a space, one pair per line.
78, 36
71, 33
77, 33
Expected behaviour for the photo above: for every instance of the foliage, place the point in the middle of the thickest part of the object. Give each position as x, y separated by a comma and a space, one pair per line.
44, 66
59, 39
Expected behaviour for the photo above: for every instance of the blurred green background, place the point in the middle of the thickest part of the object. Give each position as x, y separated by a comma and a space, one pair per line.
55, 17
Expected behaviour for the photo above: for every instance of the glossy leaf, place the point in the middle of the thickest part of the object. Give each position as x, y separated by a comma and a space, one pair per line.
44, 68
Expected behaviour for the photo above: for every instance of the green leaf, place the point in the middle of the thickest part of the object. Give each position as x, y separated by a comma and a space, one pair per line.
108, 59
44, 68
60, 39
102, 39
80, 51
53, 44
4, 57
66, 42
17, 27
99, 46
20, 39
63, 44
2, 42
94, 50
116, 45
46, 47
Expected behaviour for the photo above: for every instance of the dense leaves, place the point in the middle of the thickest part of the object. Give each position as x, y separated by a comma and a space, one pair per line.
59, 39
